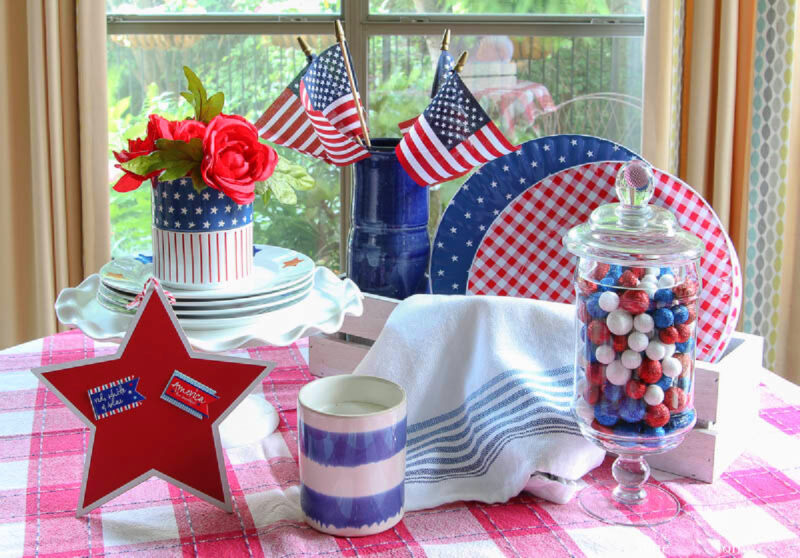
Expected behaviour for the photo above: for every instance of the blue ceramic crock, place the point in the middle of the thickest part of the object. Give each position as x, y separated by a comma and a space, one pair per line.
389, 244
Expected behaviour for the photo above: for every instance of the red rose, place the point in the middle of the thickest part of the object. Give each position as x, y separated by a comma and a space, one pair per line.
186, 130
157, 128
233, 158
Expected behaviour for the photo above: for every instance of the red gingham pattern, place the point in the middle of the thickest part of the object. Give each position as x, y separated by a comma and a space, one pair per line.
522, 255
753, 510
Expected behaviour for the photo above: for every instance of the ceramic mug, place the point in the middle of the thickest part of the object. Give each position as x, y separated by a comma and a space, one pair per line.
352, 454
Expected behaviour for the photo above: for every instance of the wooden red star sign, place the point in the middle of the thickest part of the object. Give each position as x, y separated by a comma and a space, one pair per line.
292, 263
154, 409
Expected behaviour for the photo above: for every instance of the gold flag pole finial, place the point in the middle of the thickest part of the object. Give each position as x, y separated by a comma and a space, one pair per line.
445, 40
359, 109
304, 47
461, 61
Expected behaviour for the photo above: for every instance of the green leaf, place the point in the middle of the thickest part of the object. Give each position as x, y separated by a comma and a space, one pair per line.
177, 169
197, 91
197, 180
189, 97
213, 107
266, 196
145, 164
283, 192
178, 149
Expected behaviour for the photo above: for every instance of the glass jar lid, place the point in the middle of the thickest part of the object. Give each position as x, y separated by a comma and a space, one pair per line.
633, 231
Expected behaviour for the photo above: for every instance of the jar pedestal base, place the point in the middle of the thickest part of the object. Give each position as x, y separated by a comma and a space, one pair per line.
658, 505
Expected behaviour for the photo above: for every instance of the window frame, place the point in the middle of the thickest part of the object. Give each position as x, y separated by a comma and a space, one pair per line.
360, 26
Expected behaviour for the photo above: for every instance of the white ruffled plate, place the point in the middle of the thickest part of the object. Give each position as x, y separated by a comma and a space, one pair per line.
323, 310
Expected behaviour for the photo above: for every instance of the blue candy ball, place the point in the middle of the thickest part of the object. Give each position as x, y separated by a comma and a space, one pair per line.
679, 314
583, 333
591, 350
593, 307
665, 296
653, 432
614, 271
632, 410
662, 318
613, 393
684, 384
665, 271
626, 429
606, 413
665, 382
684, 347
606, 284
680, 421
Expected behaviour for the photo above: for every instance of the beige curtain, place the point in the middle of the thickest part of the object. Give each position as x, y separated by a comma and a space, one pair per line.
54, 223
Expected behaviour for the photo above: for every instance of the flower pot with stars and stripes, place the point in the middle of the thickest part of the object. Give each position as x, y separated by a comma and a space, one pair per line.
201, 240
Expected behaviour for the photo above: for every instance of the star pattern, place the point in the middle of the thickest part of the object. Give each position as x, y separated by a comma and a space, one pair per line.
193, 208
482, 199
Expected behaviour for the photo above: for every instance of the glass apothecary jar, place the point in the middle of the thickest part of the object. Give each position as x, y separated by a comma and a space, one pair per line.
637, 286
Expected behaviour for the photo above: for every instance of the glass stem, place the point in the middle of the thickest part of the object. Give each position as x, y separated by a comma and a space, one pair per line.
630, 472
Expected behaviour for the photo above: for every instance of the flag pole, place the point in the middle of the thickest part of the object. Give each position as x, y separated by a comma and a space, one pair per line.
445, 40
341, 40
461, 61
305, 48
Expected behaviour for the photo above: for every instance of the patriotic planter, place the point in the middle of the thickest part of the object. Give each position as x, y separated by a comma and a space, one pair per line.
200, 240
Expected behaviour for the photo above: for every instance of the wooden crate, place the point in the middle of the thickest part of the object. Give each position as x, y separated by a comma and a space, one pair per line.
726, 395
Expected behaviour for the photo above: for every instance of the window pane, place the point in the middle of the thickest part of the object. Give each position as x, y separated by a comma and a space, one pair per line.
499, 7
145, 76
142, 7
530, 86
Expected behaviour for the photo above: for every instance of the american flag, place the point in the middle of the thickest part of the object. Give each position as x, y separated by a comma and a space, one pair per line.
452, 136
443, 69
317, 114
200, 237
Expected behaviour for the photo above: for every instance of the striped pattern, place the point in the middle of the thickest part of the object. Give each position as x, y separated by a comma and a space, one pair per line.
199, 258
465, 441
286, 123
118, 410
340, 150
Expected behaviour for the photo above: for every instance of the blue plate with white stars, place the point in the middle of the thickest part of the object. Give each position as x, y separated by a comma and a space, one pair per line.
501, 233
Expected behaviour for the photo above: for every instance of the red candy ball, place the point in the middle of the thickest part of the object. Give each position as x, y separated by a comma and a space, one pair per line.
635, 389
600, 270
692, 314
586, 287
668, 335
650, 371
592, 394
600, 428
684, 332
620, 342
595, 373
634, 302
675, 399
598, 332
686, 290
583, 313
686, 363
656, 415
638, 272
628, 279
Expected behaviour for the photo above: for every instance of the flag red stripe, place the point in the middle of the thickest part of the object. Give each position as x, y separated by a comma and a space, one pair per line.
191, 249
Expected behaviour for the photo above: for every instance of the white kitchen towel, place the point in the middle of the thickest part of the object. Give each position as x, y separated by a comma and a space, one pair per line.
489, 386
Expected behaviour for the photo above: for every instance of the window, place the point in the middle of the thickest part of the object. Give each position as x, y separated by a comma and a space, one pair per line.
537, 66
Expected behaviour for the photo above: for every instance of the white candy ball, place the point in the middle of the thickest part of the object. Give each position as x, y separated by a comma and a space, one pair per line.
637, 340
617, 374
631, 359
671, 367
655, 350
654, 271
666, 282
608, 301
650, 290
605, 354
648, 279
670, 350
643, 323
619, 322
653, 395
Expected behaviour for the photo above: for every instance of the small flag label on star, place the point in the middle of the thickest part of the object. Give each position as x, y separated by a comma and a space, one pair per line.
189, 395
115, 397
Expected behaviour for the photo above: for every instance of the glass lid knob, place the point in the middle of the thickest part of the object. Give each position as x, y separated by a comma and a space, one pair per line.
635, 184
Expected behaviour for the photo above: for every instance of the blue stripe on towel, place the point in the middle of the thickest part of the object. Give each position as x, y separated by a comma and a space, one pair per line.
465, 441
351, 512
350, 449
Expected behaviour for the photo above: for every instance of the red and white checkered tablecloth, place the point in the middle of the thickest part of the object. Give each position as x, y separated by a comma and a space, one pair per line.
754, 510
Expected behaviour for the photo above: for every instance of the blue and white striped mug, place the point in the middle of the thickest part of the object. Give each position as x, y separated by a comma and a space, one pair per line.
352, 453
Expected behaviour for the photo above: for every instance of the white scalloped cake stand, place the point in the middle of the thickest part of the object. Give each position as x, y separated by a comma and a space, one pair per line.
323, 310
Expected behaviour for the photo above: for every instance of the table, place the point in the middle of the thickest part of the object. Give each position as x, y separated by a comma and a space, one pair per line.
754, 509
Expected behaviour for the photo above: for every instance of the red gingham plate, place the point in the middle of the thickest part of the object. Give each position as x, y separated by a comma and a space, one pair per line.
512, 247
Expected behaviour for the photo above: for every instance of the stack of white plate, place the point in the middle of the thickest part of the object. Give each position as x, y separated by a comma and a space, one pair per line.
280, 278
